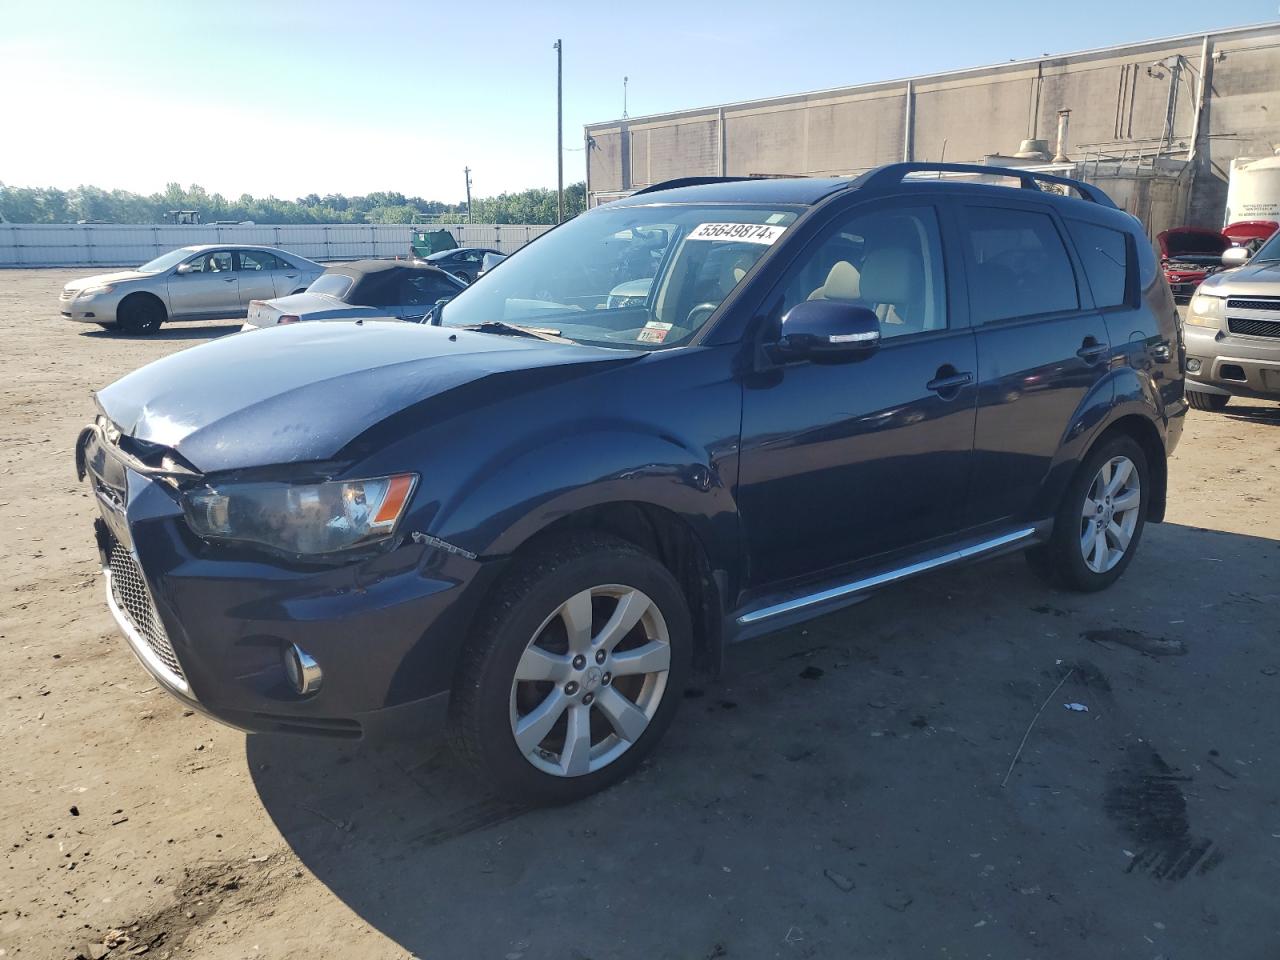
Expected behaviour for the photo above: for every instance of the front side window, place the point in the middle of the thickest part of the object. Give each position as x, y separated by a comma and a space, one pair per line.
218, 261
644, 277
1018, 265
424, 289
887, 260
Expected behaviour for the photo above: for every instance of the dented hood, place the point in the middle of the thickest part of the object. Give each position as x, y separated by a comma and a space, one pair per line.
303, 392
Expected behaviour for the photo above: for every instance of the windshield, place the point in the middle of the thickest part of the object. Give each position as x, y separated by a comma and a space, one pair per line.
640, 277
334, 285
1270, 250
170, 259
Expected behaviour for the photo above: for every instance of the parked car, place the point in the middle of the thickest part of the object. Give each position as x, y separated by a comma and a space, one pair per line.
465, 263
488, 262
1233, 330
1250, 234
531, 520
1188, 255
205, 282
362, 289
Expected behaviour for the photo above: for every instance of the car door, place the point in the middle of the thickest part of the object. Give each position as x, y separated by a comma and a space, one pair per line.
287, 277
256, 272
847, 461
1042, 348
209, 288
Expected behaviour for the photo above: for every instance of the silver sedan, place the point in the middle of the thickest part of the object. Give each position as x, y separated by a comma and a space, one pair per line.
205, 282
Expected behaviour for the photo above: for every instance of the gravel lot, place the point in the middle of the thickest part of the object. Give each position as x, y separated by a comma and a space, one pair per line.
837, 793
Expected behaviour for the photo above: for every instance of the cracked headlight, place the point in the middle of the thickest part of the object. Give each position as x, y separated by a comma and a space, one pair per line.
300, 519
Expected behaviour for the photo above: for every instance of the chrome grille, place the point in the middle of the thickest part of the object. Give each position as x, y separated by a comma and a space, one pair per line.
67, 295
1254, 328
129, 590
1241, 303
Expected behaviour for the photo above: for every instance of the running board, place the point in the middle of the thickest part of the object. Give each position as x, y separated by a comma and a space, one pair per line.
847, 590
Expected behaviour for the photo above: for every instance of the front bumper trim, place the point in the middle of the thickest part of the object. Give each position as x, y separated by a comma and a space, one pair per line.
146, 656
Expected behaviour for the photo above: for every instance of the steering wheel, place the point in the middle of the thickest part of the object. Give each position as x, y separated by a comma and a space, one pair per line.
699, 314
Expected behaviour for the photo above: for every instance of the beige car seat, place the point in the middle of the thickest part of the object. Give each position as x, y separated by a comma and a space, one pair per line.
843, 283
893, 282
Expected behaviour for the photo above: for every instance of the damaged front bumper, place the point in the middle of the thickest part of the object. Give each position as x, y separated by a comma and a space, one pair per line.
215, 626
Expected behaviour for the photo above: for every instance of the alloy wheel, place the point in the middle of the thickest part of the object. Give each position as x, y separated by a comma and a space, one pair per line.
590, 680
1110, 514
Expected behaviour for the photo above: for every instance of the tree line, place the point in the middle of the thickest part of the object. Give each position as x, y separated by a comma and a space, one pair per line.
51, 205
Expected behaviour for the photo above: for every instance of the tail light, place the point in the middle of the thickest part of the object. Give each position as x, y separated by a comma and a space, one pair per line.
288, 318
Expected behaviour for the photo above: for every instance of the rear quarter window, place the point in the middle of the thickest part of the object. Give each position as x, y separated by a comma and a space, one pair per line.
1105, 255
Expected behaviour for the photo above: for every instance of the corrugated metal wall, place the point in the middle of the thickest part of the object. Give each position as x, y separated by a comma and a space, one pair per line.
106, 244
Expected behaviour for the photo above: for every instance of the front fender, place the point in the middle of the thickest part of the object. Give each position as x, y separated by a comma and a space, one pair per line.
504, 504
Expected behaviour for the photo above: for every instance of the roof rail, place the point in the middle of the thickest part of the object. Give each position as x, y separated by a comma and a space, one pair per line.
893, 174
688, 182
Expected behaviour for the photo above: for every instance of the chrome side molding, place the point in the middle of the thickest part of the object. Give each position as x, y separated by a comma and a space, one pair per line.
881, 579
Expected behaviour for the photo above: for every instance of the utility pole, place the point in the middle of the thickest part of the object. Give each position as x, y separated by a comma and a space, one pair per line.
466, 172
624, 98
559, 132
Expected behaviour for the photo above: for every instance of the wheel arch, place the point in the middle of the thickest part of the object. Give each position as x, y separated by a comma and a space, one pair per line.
673, 541
137, 296
1143, 431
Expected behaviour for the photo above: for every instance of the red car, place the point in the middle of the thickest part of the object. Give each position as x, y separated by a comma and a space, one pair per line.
1189, 254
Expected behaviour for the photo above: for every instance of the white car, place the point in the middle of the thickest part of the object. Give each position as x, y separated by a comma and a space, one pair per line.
205, 282
362, 290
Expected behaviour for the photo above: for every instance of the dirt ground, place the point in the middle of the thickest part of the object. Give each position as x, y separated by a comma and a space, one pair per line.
839, 792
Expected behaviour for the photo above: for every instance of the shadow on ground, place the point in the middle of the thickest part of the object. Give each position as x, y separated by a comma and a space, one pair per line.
837, 793
1269, 414
170, 331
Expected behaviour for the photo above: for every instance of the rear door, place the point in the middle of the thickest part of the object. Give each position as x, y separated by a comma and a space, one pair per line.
256, 271
1042, 349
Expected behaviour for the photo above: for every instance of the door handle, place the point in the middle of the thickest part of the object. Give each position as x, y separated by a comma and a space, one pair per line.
1091, 350
948, 380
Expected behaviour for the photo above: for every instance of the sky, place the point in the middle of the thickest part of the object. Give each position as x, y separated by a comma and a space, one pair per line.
272, 97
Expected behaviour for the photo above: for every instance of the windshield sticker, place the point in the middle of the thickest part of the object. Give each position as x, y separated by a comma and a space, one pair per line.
651, 335
763, 233
657, 325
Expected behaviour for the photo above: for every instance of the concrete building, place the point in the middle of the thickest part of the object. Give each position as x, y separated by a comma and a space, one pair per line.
1156, 124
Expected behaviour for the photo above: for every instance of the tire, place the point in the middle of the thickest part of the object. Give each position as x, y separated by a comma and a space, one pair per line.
1072, 557
464, 277
1200, 400
615, 721
140, 314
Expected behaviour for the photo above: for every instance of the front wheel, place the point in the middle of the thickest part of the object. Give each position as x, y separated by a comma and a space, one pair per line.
140, 314
1100, 520
575, 671
1200, 400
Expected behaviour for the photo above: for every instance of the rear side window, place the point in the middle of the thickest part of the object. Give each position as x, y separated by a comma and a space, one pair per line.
333, 284
1018, 265
1104, 253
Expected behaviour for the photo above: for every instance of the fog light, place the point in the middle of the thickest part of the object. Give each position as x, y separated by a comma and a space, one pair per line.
303, 672
1193, 365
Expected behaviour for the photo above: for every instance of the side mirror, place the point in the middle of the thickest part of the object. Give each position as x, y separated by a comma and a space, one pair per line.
1235, 257
184, 268
828, 330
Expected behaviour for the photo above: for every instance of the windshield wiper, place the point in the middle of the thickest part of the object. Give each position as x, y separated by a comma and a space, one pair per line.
516, 329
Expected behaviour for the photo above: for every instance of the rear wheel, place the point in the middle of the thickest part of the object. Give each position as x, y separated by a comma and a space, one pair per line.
1100, 520
1200, 400
140, 314
574, 673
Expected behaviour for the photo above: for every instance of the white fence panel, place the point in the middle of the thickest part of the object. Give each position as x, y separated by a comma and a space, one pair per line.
129, 244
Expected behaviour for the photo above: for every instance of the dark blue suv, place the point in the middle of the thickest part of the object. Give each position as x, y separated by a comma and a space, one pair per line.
702, 413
